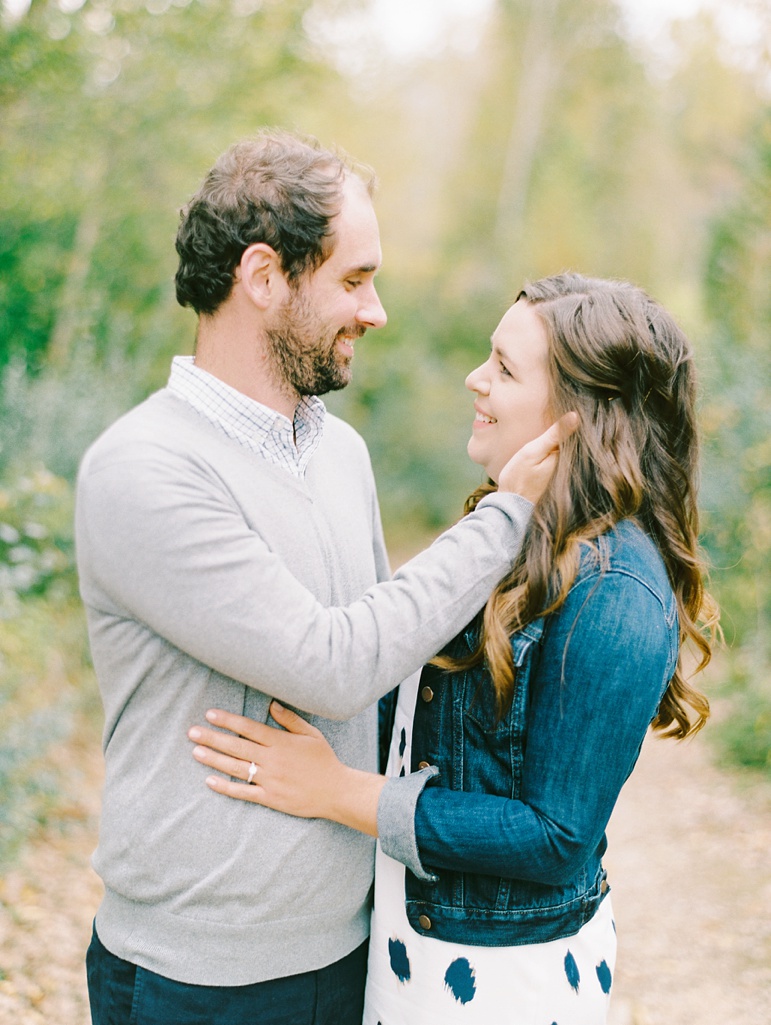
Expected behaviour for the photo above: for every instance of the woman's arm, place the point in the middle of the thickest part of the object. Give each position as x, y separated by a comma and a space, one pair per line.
295, 769
585, 732
606, 658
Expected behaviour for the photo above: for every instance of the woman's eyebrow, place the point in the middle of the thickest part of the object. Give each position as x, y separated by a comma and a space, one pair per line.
502, 354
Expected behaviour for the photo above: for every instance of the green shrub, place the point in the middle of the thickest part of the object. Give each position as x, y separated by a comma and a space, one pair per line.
744, 737
36, 545
29, 785
47, 697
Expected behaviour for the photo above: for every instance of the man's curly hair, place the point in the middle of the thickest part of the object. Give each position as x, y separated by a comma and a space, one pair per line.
278, 188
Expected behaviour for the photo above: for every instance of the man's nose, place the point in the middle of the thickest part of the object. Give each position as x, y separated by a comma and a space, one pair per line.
371, 312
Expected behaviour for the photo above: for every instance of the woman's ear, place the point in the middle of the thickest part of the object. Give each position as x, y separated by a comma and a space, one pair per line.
260, 275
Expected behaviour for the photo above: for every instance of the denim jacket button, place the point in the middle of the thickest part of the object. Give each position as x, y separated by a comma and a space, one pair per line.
424, 922
424, 765
604, 886
427, 694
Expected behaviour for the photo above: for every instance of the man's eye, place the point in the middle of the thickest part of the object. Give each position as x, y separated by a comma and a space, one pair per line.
353, 283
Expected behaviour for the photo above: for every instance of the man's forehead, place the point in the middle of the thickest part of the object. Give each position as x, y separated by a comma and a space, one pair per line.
355, 235
355, 203
359, 254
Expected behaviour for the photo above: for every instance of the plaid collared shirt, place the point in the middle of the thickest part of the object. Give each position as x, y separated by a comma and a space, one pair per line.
255, 426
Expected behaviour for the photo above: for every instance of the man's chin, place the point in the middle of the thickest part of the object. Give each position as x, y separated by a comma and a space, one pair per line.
329, 382
331, 386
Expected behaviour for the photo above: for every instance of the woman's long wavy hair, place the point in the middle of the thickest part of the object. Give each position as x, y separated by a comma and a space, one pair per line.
620, 361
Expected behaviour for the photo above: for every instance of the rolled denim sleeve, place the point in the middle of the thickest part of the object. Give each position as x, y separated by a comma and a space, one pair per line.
396, 819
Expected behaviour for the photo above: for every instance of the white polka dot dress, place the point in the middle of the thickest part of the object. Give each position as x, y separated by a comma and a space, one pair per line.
417, 980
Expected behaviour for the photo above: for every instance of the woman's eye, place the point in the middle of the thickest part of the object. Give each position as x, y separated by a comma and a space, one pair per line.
504, 370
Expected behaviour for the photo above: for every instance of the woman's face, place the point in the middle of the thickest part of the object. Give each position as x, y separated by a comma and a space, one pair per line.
512, 390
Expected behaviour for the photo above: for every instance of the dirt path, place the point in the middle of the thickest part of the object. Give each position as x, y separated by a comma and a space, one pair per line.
47, 903
690, 867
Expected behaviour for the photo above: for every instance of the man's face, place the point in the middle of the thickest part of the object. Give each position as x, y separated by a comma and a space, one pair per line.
312, 340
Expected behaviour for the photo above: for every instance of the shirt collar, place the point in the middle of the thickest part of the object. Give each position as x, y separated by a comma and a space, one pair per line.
289, 443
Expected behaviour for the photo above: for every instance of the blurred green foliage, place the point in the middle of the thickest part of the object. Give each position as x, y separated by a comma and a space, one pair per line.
42, 651
737, 418
47, 699
36, 554
556, 142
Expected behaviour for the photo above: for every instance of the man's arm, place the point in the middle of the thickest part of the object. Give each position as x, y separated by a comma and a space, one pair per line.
165, 546
146, 550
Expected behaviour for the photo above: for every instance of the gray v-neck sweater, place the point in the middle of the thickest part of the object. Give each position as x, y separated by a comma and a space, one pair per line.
212, 578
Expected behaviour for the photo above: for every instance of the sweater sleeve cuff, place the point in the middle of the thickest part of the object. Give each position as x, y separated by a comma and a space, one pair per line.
396, 819
517, 508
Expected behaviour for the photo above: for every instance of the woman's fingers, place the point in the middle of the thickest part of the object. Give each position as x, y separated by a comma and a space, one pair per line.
289, 767
237, 767
259, 732
241, 791
227, 743
249, 728
229, 750
291, 721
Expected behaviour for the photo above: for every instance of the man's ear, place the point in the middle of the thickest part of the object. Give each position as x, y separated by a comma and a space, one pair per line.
261, 276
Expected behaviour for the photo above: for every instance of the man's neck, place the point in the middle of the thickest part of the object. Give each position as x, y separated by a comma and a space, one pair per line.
240, 361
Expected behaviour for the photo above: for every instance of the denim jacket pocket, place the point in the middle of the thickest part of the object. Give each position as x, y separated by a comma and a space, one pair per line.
480, 704
490, 757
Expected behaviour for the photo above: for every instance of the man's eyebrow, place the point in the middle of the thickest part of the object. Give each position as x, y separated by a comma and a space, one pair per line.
365, 268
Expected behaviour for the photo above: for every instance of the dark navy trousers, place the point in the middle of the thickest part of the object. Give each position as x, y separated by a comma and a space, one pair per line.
122, 993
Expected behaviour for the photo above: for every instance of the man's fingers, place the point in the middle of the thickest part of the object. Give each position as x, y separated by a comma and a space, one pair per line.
547, 443
568, 424
529, 470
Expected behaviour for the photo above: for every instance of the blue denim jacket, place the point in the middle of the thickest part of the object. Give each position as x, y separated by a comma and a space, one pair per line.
502, 824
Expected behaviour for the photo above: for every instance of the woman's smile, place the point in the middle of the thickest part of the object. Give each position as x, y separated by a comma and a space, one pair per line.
512, 389
482, 419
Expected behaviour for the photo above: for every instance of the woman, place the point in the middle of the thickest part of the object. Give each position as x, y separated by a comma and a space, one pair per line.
507, 759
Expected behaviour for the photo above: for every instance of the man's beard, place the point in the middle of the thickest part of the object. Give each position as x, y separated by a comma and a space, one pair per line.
304, 352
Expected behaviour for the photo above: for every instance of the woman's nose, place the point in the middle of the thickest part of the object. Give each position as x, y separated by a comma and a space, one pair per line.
477, 382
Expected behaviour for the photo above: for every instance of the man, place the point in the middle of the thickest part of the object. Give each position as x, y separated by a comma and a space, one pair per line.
221, 527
